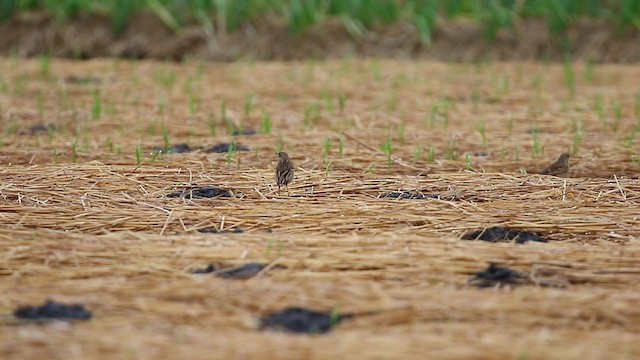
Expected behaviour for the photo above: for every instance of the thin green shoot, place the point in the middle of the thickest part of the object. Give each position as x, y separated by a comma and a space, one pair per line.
417, 153
431, 154
96, 109
250, 104
341, 147
342, 102
265, 123
212, 122
482, 130
387, 148
138, 154
74, 152
327, 148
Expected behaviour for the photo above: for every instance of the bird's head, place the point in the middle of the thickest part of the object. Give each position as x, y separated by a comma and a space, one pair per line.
282, 155
564, 157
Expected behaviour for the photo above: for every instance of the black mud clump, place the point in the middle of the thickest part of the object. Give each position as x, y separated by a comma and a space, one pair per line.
205, 270
496, 275
301, 320
226, 147
176, 149
39, 129
53, 310
407, 195
501, 234
200, 192
244, 271
244, 132
82, 80
212, 230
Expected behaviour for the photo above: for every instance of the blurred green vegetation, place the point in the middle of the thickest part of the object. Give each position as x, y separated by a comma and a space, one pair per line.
356, 15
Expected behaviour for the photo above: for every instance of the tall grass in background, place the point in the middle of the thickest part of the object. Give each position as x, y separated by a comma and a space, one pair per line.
356, 15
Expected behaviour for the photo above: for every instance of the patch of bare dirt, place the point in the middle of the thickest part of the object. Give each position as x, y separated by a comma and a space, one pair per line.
268, 38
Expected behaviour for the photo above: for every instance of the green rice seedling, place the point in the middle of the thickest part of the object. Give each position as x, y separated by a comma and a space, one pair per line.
20, 84
230, 151
45, 66
13, 128
506, 85
431, 154
510, 124
467, 162
481, 128
636, 105
138, 154
577, 139
326, 97
370, 169
327, 148
212, 123
280, 143
96, 109
4, 88
617, 116
517, 153
265, 123
311, 115
155, 154
569, 76
165, 78
537, 147
417, 153
630, 139
160, 105
192, 103
165, 138
108, 143
587, 74
40, 100
327, 169
54, 156
250, 104
342, 102
387, 148
74, 152
341, 147
636, 160
451, 153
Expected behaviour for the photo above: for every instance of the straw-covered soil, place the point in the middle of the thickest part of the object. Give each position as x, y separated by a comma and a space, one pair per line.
85, 215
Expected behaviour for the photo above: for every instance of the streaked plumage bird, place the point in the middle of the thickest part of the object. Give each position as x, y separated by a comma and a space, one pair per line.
559, 168
284, 170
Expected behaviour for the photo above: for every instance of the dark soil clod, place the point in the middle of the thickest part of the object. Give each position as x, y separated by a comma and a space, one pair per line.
244, 132
226, 147
301, 320
212, 230
407, 195
200, 192
209, 269
53, 310
495, 274
39, 129
501, 234
245, 271
176, 149
82, 79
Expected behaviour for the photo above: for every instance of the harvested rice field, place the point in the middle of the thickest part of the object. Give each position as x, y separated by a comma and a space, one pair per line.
417, 226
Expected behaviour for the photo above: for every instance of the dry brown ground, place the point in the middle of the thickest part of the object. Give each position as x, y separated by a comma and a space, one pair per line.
102, 232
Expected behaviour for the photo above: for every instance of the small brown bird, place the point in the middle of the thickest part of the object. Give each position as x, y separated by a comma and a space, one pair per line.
284, 170
559, 168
